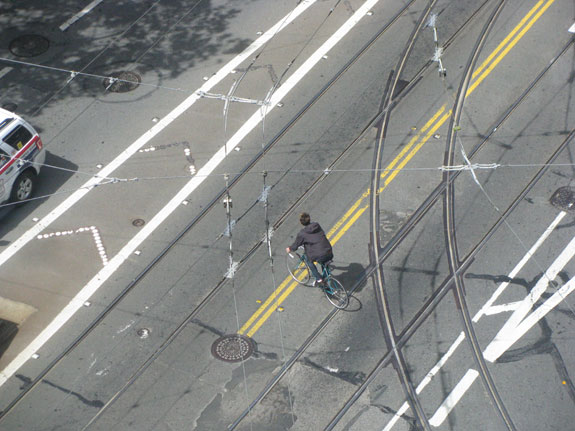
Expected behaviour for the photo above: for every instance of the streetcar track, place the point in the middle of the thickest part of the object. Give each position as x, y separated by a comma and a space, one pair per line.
215, 201
383, 309
437, 296
206, 300
318, 329
368, 272
449, 224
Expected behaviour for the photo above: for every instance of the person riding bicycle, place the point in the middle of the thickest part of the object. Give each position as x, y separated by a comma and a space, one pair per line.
317, 246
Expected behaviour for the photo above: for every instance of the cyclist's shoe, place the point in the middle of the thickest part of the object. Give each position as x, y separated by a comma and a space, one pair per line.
317, 282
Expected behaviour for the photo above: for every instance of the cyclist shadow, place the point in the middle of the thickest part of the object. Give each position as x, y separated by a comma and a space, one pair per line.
348, 275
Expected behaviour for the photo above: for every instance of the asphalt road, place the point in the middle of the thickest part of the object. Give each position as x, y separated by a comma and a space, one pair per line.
127, 271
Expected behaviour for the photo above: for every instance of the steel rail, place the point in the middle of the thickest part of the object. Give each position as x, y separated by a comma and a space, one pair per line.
261, 153
383, 309
435, 298
218, 287
210, 206
450, 228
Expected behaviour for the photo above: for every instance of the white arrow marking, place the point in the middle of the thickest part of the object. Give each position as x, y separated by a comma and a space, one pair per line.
95, 235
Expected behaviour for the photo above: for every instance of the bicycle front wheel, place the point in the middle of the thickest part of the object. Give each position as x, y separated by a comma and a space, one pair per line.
298, 268
336, 293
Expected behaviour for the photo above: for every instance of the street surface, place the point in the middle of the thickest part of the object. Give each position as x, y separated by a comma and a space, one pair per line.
145, 286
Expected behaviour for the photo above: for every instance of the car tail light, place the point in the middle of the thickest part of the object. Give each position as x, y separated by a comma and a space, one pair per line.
39, 143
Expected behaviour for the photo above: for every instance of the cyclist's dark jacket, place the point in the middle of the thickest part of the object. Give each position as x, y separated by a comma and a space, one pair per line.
313, 238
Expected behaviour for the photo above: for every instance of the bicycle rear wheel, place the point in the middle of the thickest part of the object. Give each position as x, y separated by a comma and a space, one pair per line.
298, 268
336, 293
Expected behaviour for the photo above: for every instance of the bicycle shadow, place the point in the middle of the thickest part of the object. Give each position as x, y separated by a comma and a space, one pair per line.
349, 276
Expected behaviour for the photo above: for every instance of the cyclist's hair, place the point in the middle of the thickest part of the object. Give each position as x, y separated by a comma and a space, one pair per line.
304, 219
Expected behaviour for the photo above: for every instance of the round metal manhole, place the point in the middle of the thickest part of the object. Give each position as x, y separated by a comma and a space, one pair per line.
138, 222
29, 45
122, 82
564, 199
233, 348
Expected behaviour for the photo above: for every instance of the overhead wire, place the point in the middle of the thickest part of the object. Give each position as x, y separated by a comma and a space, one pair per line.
472, 167
119, 180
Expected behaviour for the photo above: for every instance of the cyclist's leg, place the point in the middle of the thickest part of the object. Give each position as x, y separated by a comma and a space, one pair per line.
312, 268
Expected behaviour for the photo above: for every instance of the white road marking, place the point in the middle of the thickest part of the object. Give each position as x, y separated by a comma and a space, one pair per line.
80, 14
95, 236
428, 377
5, 70
519, 266
147, 136
502, 308
487, 309
203, 173
572, 29
510, 332
453, 398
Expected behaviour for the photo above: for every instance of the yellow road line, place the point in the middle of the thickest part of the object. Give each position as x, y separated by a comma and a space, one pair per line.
507, 39
396, 165
508, 48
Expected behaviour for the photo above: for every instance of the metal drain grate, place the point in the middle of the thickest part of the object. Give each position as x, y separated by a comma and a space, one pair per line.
122, 82
564, 199
29, 45
233, 348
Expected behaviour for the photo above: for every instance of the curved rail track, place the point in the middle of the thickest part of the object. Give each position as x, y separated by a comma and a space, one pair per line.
379, 253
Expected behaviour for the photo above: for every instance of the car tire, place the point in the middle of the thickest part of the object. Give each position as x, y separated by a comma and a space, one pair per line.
23, 187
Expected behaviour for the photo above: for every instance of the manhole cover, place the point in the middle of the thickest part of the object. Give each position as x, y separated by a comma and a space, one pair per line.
138, 222
122, 82
233, 348
29, 45
564, 199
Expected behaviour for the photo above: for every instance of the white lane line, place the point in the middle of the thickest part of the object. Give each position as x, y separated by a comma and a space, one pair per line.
511, 332
428, 377
147, 136
572, 29
5, 70
99, 279
485, 310
519, 266
79, 15
453, 398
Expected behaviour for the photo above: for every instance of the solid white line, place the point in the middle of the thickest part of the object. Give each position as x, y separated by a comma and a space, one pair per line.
147, 136
572, 29
453, 398
80, 14
113, 264
175, 202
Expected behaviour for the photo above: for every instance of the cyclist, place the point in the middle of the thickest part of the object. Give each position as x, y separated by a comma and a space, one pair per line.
317, 246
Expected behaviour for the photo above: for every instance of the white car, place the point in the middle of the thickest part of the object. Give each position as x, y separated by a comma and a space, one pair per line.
21, 157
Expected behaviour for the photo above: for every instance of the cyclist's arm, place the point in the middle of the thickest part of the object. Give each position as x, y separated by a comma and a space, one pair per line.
299, 240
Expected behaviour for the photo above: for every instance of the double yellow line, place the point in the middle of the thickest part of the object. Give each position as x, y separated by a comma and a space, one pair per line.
416, 142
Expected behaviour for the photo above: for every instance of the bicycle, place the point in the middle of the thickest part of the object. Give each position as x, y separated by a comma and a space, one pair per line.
297, 265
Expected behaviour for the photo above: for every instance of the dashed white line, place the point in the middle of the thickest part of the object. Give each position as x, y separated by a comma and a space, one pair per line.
5, 70
79, 15
453, 397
